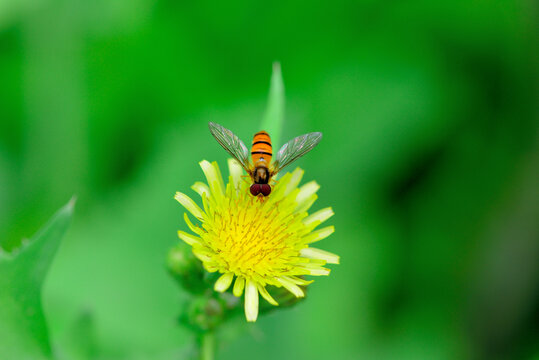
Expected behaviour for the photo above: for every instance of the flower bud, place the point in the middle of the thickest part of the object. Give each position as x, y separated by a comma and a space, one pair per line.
203, 313
186, 268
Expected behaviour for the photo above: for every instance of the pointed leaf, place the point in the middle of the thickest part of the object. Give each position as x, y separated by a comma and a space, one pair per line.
274, 116
23, 330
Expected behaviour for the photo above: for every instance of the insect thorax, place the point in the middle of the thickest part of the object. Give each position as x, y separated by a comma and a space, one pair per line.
261, 175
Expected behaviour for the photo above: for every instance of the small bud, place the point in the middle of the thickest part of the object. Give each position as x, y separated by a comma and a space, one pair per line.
186, 268
203, 314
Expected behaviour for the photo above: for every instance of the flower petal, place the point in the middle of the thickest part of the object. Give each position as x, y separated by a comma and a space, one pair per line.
223, 283
295, 178
211, 266
201, 188
239, 284
306, 191
202, 253
251, 301
306, 204
189, 205
219, 176
319, 234
298, 281
193, 228
265, 294
213, 176
189, 238
315, 269
320, 216
235, 170
290, 286
314, 253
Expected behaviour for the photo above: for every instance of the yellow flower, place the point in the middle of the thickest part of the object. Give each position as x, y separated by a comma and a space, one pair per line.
257, 241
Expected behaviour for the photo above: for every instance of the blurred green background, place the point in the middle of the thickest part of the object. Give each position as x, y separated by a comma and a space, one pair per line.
430, 159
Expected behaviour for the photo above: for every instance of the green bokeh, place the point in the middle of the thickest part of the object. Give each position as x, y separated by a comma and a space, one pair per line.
430, 159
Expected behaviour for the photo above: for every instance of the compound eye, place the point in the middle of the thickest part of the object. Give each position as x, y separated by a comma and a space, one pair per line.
255, 189
265, 189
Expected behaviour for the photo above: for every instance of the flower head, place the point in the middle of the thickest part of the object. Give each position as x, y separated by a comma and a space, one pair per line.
257, 241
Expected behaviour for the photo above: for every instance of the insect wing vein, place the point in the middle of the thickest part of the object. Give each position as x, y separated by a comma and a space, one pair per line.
294, 149
231, 143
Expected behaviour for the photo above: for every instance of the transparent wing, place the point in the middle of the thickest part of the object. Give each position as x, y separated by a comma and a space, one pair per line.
294, 149
231, 143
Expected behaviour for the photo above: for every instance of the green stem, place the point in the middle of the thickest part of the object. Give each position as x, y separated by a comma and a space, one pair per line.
207, 346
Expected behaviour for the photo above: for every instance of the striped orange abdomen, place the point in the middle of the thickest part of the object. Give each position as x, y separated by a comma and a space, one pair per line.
261, 147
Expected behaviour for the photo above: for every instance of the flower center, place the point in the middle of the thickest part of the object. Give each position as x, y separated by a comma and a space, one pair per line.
255, 239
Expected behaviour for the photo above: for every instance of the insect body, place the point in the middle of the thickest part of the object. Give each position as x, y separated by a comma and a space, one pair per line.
261, 153
261, 169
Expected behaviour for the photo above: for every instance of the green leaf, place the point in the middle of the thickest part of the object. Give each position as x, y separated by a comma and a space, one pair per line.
23, 329
273, 119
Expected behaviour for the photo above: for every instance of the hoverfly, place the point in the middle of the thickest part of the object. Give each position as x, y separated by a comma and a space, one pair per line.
261, 169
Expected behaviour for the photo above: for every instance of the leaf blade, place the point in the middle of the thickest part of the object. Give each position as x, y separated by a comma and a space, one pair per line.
273, 119
23, 328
